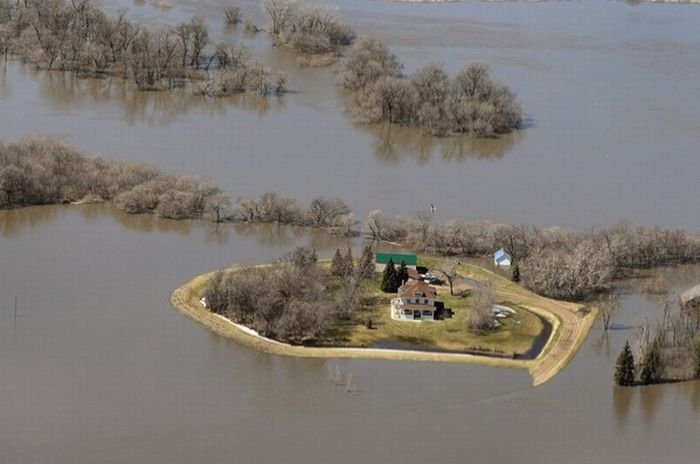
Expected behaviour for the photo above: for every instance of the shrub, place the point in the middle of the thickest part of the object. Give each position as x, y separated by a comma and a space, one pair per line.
471, 103
367, 62
308, 28
232, 15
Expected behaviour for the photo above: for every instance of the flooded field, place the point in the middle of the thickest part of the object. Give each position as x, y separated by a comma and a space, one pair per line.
611, 128
97, 367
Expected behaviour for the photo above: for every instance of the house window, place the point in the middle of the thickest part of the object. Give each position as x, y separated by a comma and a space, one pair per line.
427, 312
425, 301
407, 312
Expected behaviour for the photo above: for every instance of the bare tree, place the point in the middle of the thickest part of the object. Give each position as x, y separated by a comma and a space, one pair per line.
77, 36
232, 15
480, 319
450, 269
324, 212
316, 28
218, 206
608, 305
391, 100
279, 12
643, 339
199, 34
250, 26
366, 63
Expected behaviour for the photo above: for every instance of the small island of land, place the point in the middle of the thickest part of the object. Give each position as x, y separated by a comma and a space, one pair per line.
540, 335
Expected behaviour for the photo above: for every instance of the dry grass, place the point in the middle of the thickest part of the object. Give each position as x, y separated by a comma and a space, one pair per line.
516, 336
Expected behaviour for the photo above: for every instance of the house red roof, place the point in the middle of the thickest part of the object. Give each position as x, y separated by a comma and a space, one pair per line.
417, 288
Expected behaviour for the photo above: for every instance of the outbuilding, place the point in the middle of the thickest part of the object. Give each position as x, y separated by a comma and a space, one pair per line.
501, 258
381, 259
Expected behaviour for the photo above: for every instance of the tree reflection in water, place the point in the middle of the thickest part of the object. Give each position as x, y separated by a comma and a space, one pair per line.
622, 403
15, 221
395, 143
282, 236
68, 92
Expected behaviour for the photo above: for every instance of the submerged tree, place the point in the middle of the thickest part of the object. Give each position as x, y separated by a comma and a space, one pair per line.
624, 368
608, 305
472, 102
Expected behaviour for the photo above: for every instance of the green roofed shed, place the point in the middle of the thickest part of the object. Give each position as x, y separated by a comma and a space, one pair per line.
381, 259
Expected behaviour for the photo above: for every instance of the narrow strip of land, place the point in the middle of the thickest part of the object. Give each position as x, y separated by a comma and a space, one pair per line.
569, 329
570, 325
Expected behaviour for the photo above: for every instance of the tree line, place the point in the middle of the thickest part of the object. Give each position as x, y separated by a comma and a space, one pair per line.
332, 214
296, 300
39, 171
670, 351
78, 36
550, 261
44, 171
472, 102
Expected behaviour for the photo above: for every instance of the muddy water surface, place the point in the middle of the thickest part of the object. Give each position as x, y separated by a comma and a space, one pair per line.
609, 90
96, 367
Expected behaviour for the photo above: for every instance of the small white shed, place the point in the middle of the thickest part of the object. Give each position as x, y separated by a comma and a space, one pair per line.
501, 258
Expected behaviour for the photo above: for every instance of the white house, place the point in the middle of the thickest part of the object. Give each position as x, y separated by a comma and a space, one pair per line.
501, 258
416, 302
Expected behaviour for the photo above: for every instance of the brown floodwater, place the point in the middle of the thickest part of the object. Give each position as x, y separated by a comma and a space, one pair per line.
609, 89
98, 368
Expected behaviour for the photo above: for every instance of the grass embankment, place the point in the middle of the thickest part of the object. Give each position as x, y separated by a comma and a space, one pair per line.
569, 328
570, 324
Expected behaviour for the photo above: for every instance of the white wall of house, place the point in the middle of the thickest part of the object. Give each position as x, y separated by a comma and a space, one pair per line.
416, 300
399, 311
504, 261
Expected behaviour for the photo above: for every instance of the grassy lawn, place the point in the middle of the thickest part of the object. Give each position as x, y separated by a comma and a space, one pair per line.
516, 335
